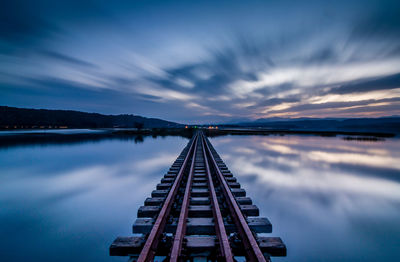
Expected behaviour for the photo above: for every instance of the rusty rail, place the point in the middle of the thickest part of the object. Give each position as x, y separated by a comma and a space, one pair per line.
195, 210
181, 229
225, 248
150, 247
253, 250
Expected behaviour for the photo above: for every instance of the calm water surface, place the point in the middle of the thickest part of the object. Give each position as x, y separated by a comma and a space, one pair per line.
68, 202
329, 199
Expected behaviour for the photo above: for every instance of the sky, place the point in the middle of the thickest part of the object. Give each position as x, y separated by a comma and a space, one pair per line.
203, 61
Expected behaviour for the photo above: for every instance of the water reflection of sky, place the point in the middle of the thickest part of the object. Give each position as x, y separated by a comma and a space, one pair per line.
68, 202
328, 198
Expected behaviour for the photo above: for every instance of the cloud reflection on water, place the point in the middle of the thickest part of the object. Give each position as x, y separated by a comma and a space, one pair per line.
70, 201
328, 198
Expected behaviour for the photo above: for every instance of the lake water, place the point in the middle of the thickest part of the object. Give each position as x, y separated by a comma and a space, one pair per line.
329, 199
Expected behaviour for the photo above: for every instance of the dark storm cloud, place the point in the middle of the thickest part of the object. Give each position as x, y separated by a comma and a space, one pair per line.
275, 101
389, 82
224, 65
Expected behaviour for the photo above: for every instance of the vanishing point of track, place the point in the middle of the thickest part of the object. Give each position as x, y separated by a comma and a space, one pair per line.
199, 212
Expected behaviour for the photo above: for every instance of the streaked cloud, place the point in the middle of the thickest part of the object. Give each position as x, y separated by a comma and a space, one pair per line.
183, 61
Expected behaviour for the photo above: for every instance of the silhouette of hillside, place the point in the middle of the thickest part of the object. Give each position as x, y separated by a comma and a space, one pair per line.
16, 118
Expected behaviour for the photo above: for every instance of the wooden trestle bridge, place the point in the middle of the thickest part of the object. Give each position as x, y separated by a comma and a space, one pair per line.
199, 213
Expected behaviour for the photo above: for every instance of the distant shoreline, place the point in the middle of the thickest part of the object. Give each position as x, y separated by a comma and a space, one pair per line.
187, 132
61, 121
299, 132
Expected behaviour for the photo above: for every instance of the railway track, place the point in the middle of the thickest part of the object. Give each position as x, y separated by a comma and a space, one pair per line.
199, 211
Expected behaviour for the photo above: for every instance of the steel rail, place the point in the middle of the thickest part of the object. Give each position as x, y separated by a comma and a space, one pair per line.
150, 247
253, 252
181, 227
225, 248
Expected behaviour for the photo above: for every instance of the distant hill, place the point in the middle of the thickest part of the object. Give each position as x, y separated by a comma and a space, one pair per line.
12, 117
383, 124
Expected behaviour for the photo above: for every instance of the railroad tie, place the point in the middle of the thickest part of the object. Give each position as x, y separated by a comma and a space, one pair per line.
199, 210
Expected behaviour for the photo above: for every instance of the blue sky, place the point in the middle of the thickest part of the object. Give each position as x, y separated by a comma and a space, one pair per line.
203, 61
